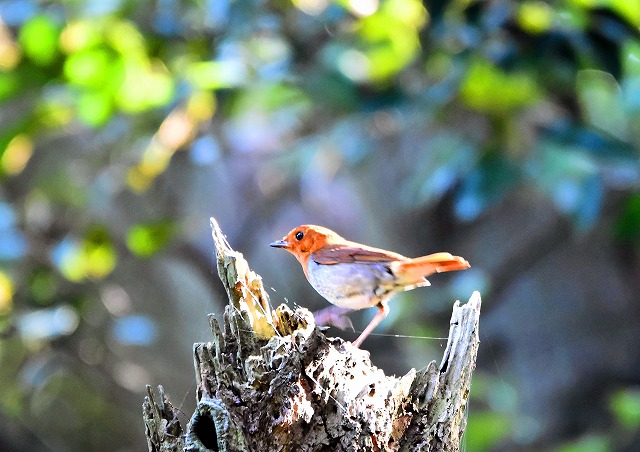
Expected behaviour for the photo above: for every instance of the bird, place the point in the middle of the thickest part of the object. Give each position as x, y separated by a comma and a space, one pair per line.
355, 276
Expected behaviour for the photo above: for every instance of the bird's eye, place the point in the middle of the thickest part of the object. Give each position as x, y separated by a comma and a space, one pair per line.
299, 235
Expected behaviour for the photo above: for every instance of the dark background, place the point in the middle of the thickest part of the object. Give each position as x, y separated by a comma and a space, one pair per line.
505, 132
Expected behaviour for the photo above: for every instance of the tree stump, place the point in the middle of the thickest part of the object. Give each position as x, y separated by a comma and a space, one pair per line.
271, 381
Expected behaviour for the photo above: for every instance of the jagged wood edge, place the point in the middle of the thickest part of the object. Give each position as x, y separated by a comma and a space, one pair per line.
162, 427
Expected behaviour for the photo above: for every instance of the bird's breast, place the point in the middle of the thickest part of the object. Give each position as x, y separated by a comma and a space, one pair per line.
352, 285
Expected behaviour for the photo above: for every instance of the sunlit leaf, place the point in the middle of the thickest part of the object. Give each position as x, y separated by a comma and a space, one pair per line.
601, 101
144, 86
91, 67
94, 256
16, 155
126, 38
6, 293
39, 39
630, 84
312, 7
628, 9
147, 239
631, 58
201, 105
411, 13
95, 108
388, 40
488, 89
100, 253
66, 257
80, 35
535, 16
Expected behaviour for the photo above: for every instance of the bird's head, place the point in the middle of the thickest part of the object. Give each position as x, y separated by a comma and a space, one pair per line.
307, 239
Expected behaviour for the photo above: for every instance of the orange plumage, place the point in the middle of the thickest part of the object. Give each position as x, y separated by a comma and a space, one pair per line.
356, 276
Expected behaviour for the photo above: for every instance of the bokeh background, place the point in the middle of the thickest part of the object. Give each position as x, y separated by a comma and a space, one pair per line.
506, 132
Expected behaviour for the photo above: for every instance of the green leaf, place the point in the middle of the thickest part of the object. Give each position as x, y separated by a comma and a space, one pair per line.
90, 68
630, 56
386, 41
625, 404
601, 102
43, 285
100, 255
95, 108
10, 84
94, 256
488, 89
145, 86
628, 224
6, 293
535, 16
629, 10
39, 40
485, 429
147, 239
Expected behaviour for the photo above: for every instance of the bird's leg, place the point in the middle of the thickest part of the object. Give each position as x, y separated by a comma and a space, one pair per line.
333, 316
382, 313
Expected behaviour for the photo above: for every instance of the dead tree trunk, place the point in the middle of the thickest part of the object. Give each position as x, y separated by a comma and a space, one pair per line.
271, 381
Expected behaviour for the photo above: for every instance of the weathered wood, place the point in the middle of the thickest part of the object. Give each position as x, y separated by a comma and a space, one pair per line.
162, 427
271, 381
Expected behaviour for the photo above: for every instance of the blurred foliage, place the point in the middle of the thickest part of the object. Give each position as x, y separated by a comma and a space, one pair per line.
628, 226
91, 257
147, 239
549, 92
590, 443
626, 406
492, 403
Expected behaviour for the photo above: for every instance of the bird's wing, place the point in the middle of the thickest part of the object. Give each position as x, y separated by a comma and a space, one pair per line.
353, 252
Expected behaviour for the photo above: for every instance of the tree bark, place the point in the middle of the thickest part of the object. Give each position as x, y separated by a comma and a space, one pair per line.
271, 381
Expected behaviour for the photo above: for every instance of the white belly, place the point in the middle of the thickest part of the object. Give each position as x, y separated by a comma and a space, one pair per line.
352, 286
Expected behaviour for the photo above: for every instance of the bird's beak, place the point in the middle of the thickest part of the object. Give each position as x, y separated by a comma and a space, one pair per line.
280, 244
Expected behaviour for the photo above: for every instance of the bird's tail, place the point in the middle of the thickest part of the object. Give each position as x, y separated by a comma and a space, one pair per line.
412, 272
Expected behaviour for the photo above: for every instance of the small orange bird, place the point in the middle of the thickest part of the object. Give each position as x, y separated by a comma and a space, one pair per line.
355, 276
